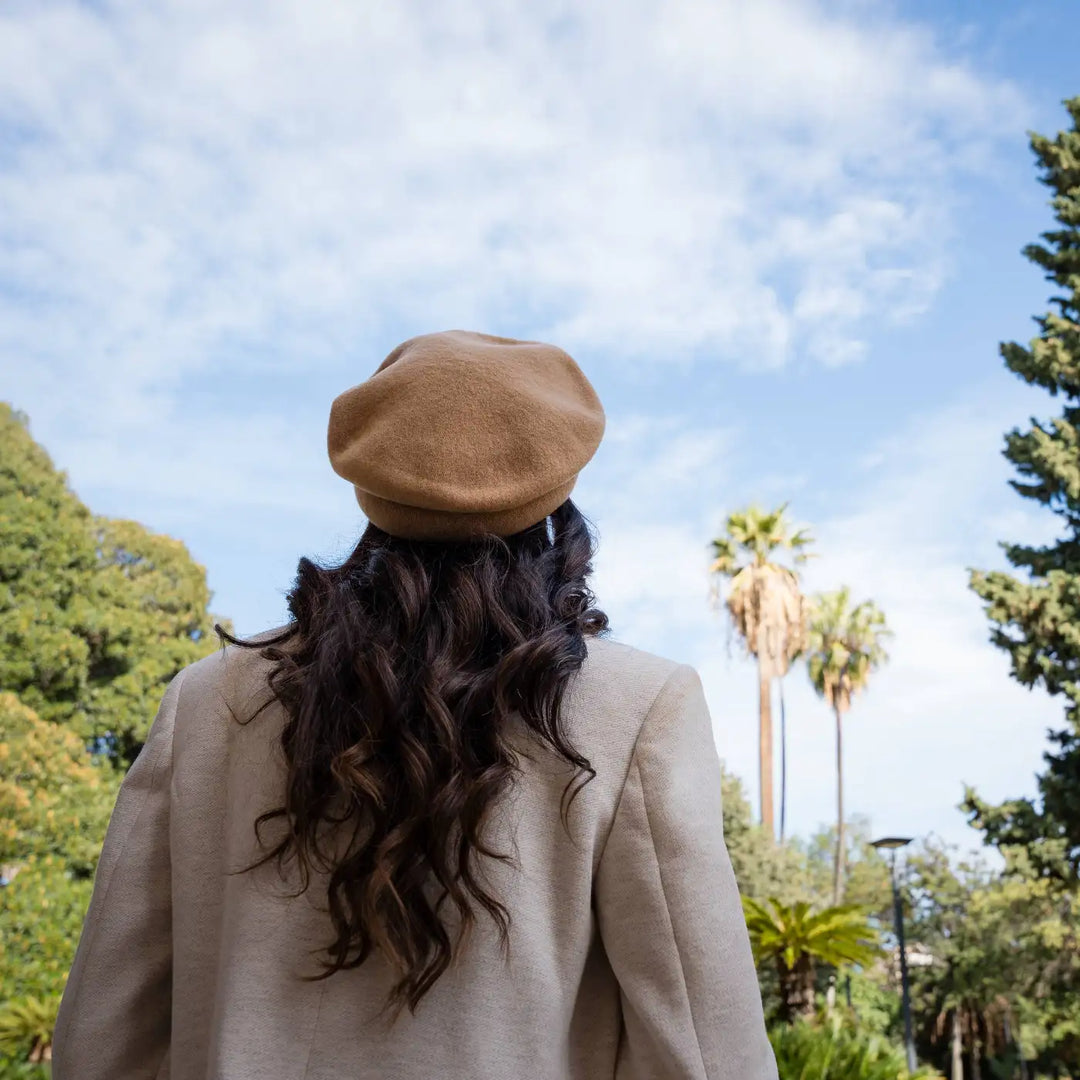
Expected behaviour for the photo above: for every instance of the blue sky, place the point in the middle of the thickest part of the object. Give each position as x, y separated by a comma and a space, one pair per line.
783, 239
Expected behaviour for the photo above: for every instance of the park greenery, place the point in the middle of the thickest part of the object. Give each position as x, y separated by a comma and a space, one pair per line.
97, 615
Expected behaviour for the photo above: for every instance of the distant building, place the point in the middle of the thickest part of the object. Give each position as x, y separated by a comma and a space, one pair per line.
918, 956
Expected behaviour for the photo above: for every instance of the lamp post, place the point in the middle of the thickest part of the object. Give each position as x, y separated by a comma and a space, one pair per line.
892, 844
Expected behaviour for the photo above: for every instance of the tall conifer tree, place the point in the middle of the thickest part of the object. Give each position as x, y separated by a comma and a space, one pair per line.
1036, 617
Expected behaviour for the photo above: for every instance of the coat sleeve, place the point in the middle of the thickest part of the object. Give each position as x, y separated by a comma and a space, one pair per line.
668, 907
115, 1014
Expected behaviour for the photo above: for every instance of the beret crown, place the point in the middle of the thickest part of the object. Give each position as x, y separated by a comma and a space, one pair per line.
458, 433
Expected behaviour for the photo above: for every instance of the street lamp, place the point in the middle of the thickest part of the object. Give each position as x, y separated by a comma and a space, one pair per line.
892, 844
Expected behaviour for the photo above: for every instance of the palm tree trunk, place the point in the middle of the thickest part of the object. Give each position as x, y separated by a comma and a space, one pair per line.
838, 868
796, 989
783, 763
957, 1048
765, 750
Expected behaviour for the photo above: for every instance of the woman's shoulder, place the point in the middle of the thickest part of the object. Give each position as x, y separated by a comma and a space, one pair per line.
610, 653
618, 670
230, 668
612, 668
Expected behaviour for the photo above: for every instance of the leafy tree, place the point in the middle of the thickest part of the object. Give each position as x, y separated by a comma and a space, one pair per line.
46, 555
54, 798
96, 615
800, 869
1036, 617
766, 608
795, 939
148, 619
1006, 962
959, 996
875, 1004
866, 872
844, 647
55, 803
762, 867
41, 915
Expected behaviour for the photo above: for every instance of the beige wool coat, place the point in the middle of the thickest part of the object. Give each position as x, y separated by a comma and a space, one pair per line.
629, 956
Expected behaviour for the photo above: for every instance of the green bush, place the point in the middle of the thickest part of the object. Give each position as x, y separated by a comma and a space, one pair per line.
11, 1069
26, 1028
809, 1051
41, 917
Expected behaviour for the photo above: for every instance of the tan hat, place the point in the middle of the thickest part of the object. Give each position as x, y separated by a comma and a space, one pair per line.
458, 434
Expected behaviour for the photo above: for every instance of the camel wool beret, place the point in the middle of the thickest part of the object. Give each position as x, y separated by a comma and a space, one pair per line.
459, 434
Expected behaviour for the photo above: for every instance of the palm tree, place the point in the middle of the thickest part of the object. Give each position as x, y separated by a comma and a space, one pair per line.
796, 939
26, 1028
767, 610
844, 646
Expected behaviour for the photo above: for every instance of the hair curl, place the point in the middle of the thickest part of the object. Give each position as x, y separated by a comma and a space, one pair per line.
397, 671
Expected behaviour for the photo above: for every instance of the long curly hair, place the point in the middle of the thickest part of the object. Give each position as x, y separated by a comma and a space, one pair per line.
398, 671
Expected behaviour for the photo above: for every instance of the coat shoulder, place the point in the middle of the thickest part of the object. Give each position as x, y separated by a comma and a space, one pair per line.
618, 683
615, 684
231, 672
608, 656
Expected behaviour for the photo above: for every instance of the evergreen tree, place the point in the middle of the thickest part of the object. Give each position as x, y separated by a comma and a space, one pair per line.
55, 803
96, 615
55, 799
1036, 618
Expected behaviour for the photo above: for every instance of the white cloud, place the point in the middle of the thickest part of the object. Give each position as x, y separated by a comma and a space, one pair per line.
193, 190
208, 213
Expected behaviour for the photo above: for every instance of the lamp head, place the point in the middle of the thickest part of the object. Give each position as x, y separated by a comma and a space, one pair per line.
892, 842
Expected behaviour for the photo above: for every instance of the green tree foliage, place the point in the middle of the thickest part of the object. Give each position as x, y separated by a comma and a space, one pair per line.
41, 915
26, 1028
96, 615
54, 798
151, 619
875, 1004
1036, 617
762, 867
46, 553
866, 872
55, 802
1005, 969
795, 939
800, 869
766, 608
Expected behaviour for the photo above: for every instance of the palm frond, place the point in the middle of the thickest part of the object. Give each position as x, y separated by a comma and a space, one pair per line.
26, 1026
787, 932
844, 645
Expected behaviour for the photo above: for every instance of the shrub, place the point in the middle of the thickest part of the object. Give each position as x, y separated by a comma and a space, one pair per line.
807, 1051
26, 1029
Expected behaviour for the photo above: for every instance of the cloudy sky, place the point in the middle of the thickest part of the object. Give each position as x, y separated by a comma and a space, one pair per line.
782, 238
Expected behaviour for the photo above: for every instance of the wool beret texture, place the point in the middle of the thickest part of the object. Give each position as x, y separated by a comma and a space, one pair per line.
460, 434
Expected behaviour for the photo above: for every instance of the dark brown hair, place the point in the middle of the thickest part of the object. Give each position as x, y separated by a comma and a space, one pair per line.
398, 672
